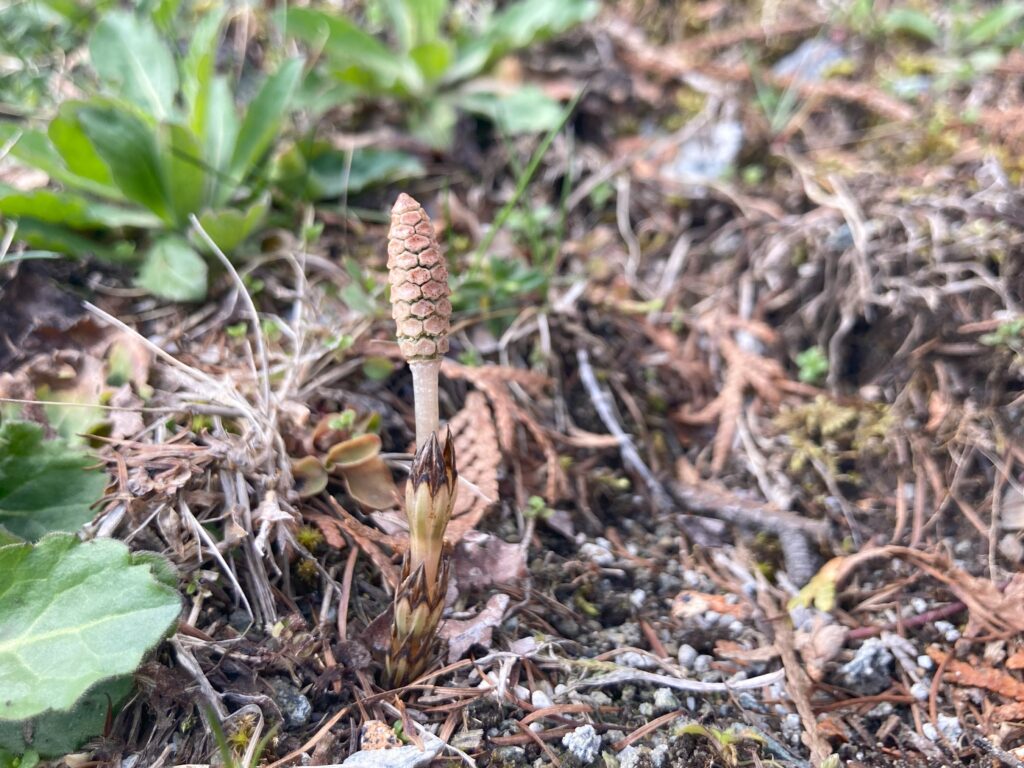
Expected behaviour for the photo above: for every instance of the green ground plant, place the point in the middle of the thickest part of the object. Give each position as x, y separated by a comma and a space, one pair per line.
966, 39
162, 139
435, 59
495, 285
34, 37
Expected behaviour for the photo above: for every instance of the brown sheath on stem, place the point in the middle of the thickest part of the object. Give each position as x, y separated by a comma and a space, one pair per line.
419, 599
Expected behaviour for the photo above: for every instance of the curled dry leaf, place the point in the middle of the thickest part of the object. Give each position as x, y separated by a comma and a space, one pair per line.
370, 540
330, 527
367, 477
352, 452
819, 646
309, 475
744, 371
977, 676
733, 651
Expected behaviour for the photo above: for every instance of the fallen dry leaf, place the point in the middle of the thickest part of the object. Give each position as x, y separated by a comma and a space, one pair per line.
961, 673
494, 381
820, 645
690, 603
463, 634
482, 559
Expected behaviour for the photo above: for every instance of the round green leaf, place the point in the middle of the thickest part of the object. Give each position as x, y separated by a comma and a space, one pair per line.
73, 614
173, 270
44, 485
53, 734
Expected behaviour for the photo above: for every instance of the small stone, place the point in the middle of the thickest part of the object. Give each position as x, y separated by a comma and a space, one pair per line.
598, 552
637, 598
791, 723
509, 756
749, 703
665, 701
646, 709
635, 757
702, 663
920, 690
539, 699
950, 727
925, 662
659, 756
869, 672
468, 741
949, 632
583, 743
293, 704
687, 656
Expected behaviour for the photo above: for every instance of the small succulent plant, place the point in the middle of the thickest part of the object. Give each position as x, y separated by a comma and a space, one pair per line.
346, 445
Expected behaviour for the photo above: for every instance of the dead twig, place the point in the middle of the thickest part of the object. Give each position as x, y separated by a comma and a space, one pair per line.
627, 449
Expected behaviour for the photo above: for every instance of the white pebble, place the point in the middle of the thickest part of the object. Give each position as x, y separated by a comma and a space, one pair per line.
686, 656
540, 699
584, 743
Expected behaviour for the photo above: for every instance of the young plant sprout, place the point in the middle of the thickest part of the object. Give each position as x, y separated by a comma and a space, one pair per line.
421, 309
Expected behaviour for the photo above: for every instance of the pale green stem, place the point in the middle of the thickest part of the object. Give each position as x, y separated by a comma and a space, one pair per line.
424, 393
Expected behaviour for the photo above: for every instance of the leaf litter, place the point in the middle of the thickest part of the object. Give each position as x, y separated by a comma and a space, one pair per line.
712, 600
